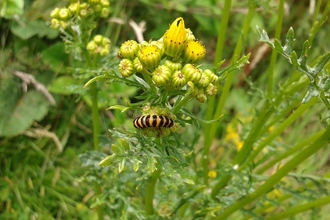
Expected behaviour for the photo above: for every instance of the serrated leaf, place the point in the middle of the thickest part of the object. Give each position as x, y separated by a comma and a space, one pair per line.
108, 160
289, 41
264, 36
18, 112
136, 164
278, 46
151, 165
294, 59
304, 54
117, 149
121, 165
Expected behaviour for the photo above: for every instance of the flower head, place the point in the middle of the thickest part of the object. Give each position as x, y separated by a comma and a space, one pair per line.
175, 38
193, 52
149, 56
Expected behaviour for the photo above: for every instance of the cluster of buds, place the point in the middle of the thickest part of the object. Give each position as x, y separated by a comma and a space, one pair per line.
99, 45
172, 61
77, 10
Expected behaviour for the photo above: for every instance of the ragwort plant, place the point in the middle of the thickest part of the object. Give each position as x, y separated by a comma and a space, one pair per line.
167, 75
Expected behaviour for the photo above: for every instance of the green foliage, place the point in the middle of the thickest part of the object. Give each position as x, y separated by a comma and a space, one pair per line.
250, 146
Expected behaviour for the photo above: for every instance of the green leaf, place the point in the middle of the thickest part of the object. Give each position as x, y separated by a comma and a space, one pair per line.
66, 85
151, 166
289, 41
55, 57
9, 8
108, 160
17, 113
92, 158
264, 36
278, 46
27, 29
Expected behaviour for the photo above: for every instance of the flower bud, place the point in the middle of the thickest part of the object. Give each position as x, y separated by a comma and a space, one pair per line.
55, 23
74, 8
64, 14
161, 76
104, 12
126, 68
92, 47
98, 39
172, 65
105, 3
204, 81
175, 38
160, 45
149, 56
55, 13
137, 65
213, 78
178, 79
201, 97
193, 52
192, 73
129, 49
211, 90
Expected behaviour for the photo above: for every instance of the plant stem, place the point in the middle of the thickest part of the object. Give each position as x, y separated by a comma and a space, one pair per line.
150, 192
294, 116
274, 179
182, 103
290, 152
301, 208
96, 133
274, 52
211, 131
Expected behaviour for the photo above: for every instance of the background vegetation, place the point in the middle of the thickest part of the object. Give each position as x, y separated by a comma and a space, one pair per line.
267, 158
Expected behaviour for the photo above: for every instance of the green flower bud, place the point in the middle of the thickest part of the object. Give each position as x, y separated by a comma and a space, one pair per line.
137, 65
55, 13
129, 49
63, 24
161, 76
97, 8
105, 3
201, 97
192, 73
104, 12
92, 47
83, 12
64, 14
211, 90
92, 2
98, 39
193, 52
214, 78
126, 68
178, 79
74, 8
172, 65
83, 5
105, 51
204, 81
55, 23
149, 56
175, 38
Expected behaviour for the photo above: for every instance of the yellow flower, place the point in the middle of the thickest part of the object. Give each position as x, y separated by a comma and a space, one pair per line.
193, 52
212, 174
175, 38
149, 56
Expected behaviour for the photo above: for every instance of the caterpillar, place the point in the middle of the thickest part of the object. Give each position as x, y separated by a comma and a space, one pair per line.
155, 121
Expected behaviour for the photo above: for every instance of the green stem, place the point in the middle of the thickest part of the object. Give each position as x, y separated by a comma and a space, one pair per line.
148, 79
150, 192
294, 116
96, 134
96, 116
274, 52
211, 131
273, 180
301, 208
290, 152
182, 103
